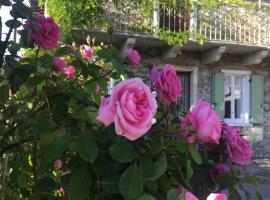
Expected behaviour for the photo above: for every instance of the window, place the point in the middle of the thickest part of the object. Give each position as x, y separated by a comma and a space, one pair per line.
236, 97
189, 80
182, 104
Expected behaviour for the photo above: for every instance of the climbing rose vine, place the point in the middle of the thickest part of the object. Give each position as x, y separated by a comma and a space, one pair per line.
79, 124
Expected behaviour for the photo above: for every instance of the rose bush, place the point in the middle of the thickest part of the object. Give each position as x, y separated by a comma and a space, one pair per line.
54, 146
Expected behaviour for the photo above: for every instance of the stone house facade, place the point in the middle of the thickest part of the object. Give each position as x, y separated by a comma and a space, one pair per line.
201, 86
231, 70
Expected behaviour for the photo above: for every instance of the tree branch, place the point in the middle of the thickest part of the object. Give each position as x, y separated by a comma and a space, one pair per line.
15, 144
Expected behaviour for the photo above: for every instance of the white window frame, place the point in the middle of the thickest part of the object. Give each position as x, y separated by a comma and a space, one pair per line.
245, 120
193, 82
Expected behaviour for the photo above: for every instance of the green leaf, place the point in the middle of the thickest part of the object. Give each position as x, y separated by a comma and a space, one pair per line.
22, 180
56, 148
131, 182
252, 180
189, 171
5, 3
146, 196
62, 51
20, 10
13, 23
118, 65
123, 152
43, 126
226, 180
147, 166
164, 183
151, 186
194, 154
172, 195
79, 185
87, 148
4, 91
45, 185
160, 166
111, 184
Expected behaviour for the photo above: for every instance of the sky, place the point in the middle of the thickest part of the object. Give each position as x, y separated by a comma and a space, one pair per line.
4, 13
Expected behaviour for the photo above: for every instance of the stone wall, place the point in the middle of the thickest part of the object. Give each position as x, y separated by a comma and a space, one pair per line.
205, 72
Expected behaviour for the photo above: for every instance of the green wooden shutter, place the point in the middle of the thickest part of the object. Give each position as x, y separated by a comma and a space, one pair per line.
218, 94
256, 111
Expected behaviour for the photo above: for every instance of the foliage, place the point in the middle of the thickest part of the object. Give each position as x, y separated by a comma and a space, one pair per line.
47, 116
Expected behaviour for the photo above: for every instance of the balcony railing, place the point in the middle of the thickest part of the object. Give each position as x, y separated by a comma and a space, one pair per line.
232, 25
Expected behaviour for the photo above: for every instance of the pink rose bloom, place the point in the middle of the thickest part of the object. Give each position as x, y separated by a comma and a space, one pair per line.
59, 64
58, 164
167, 83
239, 149
103, 108
217, 196
86, 52
46, 33
206, 122
219, 168
131, 107
69, 71
133, 56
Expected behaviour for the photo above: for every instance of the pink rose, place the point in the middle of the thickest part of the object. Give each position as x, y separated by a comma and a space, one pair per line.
46, 33
167, 83
59, 64
133, 56
86, 52
131, 107
69, 71
206, 122
239, 149
58, 164
219, 168
103, 109
217, 196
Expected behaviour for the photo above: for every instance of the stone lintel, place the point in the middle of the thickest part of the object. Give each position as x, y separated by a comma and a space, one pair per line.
128, 43
213, 55
254, 58
171, 52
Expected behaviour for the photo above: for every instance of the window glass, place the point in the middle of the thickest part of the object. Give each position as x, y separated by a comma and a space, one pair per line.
183, 103
236, 97
228, 93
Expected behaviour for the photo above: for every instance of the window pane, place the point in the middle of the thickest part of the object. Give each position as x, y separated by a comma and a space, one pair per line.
183, 103
238, 96
227, 95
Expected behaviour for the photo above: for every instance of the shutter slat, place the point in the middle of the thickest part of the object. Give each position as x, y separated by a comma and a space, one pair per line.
257, 83
218, 94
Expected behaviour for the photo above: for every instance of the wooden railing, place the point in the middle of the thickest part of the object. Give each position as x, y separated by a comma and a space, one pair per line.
232, 25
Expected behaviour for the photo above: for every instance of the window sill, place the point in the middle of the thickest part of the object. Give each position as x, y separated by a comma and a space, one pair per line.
238, 124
